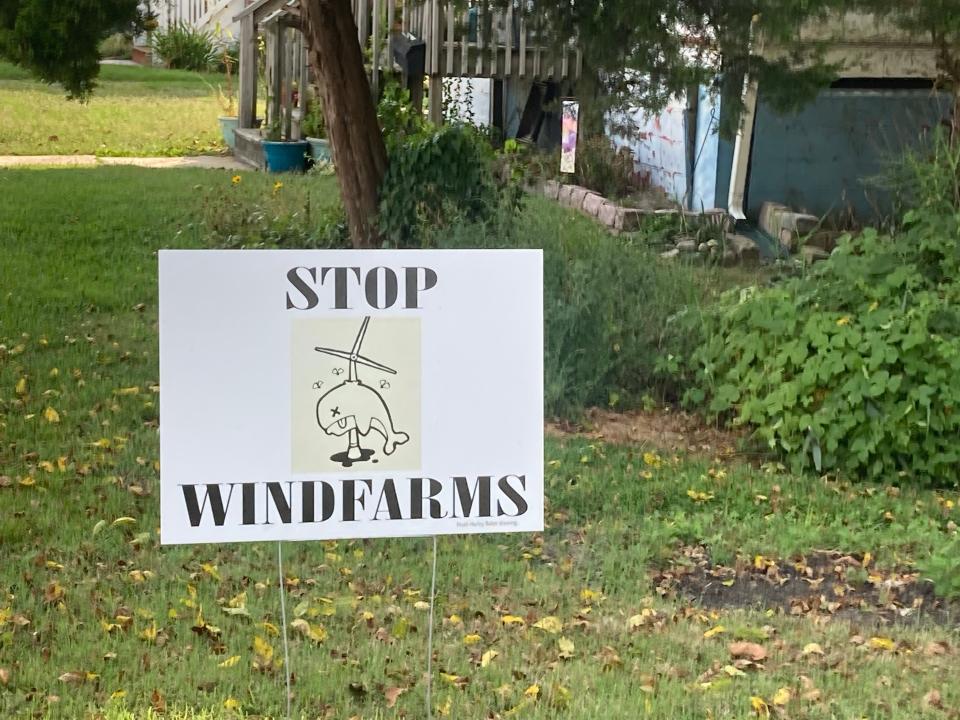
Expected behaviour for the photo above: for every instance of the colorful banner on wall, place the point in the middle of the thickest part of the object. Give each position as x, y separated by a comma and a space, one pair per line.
568, 131
338, 394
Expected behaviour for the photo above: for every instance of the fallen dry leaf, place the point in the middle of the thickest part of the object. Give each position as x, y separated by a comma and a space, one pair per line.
749, 650
392, 693
549, 624
933, 700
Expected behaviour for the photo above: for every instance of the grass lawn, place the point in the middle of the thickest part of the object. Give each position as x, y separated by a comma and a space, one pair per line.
591, 618
133, 111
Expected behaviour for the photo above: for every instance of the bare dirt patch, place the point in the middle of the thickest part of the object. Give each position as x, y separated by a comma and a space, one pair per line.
668, 430
820, 584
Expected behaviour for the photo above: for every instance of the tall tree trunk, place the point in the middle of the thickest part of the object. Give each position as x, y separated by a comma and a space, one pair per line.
351, 118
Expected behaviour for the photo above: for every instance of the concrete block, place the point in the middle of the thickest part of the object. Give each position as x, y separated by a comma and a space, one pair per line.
718, 217
551, 189
607, 213
823, 239
592, 204
563, 196
789, 240
770, 213
577, 196
687, 246
628, 219
745, 249
800, 223
813, 254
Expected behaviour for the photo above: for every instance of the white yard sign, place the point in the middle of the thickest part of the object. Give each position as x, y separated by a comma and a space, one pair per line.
332, 394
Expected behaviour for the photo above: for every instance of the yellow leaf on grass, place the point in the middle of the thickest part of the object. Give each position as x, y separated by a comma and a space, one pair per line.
118, 694
566, 648
455, 619
471, 639
588, 596
883, 643
782, 696
532, 692
512, 620
317, 633
124, 521
759, 706
263, 649
229, 662
451, 678
812, 649
45, 465
149, 634
717, 630
211, 570
21, 387
51, 415
231, 703
549, 624
127, 391
488, 657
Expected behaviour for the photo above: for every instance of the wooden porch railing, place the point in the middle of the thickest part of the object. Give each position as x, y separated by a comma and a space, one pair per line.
473, 41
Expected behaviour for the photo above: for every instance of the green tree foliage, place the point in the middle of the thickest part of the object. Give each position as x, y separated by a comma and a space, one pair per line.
58, 40
640, 53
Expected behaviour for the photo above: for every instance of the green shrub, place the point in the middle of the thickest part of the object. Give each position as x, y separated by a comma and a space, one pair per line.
436, 176
184, 47
854, 367
611, 307
603, 169
118, 45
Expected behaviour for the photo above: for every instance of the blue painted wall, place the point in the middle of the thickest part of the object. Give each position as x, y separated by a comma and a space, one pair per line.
820, 159
705, 153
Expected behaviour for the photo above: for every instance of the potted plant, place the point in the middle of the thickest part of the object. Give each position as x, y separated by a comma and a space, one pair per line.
314, 130
284, 155
228, 100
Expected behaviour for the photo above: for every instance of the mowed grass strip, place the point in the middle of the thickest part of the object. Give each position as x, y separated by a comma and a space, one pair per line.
133, 111
98, 621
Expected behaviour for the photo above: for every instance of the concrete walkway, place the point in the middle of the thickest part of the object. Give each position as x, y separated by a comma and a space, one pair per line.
212, 162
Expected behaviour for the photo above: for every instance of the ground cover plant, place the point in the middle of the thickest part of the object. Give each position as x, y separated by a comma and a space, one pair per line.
854, 367
594, 617
135, 111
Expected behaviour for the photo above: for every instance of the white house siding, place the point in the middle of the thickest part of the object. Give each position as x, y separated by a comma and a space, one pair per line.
214, 16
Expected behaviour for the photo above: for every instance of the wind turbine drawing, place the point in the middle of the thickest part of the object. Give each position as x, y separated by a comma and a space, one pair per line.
353, 409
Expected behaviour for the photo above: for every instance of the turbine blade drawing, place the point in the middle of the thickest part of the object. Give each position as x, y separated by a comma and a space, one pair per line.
354, 357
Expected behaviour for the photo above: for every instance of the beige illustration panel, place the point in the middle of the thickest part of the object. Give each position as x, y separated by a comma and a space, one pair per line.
355, 414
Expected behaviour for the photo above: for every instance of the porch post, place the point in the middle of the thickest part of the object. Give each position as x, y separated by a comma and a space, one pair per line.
247, 108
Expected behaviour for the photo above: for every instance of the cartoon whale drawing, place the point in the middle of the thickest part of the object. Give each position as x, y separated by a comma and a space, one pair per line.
354, 409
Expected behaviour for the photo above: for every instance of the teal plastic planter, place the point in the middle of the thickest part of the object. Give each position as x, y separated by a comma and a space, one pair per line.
286, 156
320, 149
227, 127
